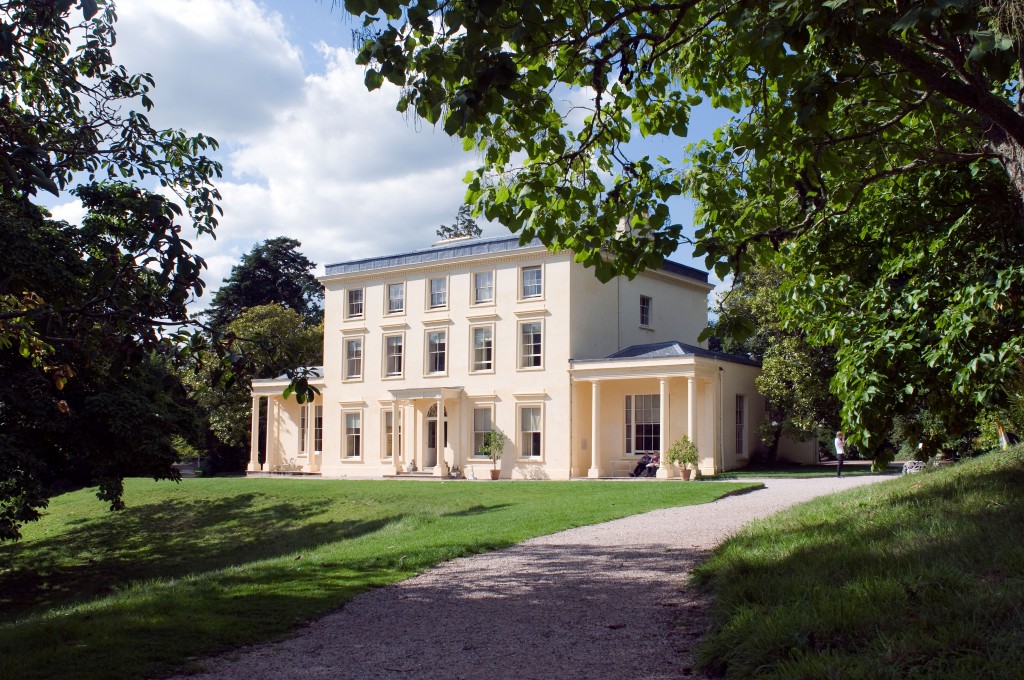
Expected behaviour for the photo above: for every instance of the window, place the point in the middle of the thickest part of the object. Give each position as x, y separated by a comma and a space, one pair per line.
393, 354
530, 432
645, 310
533, 282
303, 427
483, 348
530, 345
355, 303
318, 429
643, 423
483, 287
483, 419
438, 293
436, 345
353, 434
389, 434
353, 359
396, 298
741, 407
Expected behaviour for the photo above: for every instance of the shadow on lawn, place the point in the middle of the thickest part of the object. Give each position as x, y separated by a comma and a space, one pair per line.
168, 540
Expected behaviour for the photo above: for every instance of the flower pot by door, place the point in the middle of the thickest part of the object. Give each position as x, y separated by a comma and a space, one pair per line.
686, 474
495, 474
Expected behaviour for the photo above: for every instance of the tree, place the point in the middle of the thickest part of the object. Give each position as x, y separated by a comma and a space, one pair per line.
274, 339
845, 109
272, 272
89, 316
464, 225
795, 375
87, 395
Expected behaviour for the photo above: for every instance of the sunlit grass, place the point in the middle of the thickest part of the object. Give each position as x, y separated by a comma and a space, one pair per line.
919, 577
209, 564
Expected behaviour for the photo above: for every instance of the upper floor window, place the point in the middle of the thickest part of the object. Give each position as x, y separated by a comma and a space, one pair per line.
531, 350
437, 342
532, 282
483, 348
353, 359
438, 293
396, 298
355, 303
394, 353
646, 310
483, 287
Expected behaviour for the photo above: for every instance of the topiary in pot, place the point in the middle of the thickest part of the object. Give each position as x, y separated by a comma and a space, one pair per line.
683, 453
492, 446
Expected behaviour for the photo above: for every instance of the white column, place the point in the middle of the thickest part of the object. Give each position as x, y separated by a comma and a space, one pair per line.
254, 437
691, 411
665, 471
595, 430
440, 469
267, 450
396, 440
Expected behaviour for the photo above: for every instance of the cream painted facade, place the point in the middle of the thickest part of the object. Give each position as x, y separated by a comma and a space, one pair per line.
491, 333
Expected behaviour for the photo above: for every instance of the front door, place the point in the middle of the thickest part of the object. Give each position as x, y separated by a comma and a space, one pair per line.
430, 459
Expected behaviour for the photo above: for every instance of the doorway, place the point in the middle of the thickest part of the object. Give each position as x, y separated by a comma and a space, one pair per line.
430, 458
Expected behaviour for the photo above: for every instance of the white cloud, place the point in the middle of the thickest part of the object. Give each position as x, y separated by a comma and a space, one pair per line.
311, 155
72, 212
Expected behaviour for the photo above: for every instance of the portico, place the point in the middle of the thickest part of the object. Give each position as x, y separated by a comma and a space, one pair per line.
642, 399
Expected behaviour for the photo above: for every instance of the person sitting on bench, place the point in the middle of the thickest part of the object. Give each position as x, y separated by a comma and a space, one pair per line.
641, 466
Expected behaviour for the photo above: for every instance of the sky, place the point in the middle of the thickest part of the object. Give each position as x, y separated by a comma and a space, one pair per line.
307, 152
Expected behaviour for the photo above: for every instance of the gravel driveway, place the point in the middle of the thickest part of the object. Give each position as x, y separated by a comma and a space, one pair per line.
607, 601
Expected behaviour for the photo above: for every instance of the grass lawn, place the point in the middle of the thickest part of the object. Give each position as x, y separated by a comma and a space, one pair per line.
209, 564
853, 468
919, 577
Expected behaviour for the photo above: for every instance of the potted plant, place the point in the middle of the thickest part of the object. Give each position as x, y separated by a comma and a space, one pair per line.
492, 446
684, 454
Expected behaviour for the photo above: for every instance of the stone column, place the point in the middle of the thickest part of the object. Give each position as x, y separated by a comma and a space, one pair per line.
595, 430
268, 450
254, 437
691, 412
665, 471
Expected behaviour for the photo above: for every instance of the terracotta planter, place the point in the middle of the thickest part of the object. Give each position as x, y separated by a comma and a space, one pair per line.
686, 472
495, 474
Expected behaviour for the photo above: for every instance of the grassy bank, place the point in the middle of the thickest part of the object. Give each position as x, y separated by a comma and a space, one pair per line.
920, 577
210, 564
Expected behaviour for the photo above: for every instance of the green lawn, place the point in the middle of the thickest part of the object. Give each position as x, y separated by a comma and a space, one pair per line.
852, 468
209, 564
919, 577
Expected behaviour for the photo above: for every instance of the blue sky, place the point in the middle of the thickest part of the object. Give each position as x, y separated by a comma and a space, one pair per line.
307, 151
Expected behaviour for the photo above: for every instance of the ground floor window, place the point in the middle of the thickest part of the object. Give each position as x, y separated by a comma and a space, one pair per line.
318, 429
530, 431
483, 419
303, 427
741, 417
643, 423
353, 434
390, 442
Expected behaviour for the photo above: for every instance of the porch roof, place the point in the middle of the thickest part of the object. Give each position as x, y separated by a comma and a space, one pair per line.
665, 350
427, 393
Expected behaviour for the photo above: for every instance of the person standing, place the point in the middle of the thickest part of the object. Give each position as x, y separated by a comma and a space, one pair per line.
840, 452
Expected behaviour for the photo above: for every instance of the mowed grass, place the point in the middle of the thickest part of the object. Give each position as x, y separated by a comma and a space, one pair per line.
918, 577
851, 468
210, 564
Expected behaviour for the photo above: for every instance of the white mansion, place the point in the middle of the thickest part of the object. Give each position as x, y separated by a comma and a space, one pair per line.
426, 351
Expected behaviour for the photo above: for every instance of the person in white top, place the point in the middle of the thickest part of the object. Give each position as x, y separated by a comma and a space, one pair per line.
840, 452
